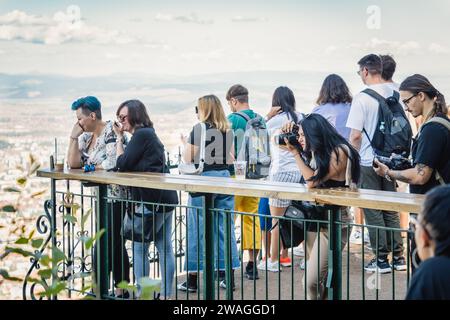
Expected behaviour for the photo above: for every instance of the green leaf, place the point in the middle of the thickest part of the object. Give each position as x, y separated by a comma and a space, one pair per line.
126, 286
149, 287
54, 289
37, 243
58, 255
8, 208
22, 252
4, 273
22, 241
85, 218
45, 273
38, 193
45, 260
12, 189
22, 181
90, 242
70, 218
31, 234
85, 289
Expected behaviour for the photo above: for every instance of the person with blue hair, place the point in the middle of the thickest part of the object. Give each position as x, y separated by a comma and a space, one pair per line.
93, 142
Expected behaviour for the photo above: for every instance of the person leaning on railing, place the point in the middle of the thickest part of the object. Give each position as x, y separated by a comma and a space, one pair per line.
431, 147
431, 281
93, 141
326, 160
145, 153
219, 141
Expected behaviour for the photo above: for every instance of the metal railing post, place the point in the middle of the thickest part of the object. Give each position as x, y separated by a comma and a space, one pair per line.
102, 274
228, 256
208, 252
334, 282
53, 234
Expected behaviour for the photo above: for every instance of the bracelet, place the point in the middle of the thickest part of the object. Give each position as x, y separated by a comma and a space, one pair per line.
386, 176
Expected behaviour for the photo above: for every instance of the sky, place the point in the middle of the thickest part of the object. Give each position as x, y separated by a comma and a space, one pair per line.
182, 38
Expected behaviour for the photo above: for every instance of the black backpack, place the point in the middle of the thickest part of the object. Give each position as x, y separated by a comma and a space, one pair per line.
255, 148
393, 132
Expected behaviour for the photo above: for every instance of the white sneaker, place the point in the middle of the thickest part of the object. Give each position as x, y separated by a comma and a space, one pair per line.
356, 237
271, 266
298, 251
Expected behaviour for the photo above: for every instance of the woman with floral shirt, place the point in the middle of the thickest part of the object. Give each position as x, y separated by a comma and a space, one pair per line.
93, 141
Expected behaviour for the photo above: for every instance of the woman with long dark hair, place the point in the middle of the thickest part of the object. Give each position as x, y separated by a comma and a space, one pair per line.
145, 153
326, 160
282, 169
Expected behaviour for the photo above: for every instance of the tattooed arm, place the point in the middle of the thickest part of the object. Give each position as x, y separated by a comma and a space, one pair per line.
419, 175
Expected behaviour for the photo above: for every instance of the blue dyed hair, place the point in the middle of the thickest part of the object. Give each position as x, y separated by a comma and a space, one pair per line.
88, 104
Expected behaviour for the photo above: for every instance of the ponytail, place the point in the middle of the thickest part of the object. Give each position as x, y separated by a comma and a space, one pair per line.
439, 103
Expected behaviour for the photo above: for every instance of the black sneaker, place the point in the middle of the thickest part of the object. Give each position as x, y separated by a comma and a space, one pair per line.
399, 263
250, 273
190, 285
378, 265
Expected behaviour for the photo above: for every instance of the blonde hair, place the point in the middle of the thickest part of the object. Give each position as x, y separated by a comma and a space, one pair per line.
210, 110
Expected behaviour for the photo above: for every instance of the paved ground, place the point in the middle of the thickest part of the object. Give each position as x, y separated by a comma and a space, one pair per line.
357, 285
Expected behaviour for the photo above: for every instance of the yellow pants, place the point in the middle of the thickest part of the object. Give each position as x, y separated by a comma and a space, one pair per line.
248, 205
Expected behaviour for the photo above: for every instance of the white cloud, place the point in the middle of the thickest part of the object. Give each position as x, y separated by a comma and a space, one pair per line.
248, 19
206, 55
33, 94
437, 48
30, 82
395, 47
64, 27
191, 18
17, 17
331, 49
112, 56
2, 51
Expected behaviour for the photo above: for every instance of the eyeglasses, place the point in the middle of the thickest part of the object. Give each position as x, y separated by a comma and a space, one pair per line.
196, 109
121, 117
360, 71
406, 101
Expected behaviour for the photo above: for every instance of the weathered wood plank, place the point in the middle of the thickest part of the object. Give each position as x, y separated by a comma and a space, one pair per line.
372, 199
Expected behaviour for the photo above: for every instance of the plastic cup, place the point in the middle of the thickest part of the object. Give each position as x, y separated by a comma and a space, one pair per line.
240, 169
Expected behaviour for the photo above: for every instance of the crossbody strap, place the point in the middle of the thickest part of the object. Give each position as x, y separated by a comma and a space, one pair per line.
446, 124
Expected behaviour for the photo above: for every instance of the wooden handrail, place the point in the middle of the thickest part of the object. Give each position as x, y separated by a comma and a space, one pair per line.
371, 199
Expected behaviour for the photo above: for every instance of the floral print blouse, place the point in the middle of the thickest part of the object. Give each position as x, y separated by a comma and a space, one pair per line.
103, 153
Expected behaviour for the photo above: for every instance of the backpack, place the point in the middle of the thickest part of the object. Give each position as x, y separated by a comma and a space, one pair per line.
255, 147
393, 132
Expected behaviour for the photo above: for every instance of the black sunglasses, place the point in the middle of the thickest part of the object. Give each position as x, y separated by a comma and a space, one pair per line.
196, 109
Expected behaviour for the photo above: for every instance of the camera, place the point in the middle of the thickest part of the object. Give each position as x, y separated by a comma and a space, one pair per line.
291, 137
395, 161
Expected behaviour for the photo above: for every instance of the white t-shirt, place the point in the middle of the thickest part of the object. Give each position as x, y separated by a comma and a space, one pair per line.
282, 160
364, 115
